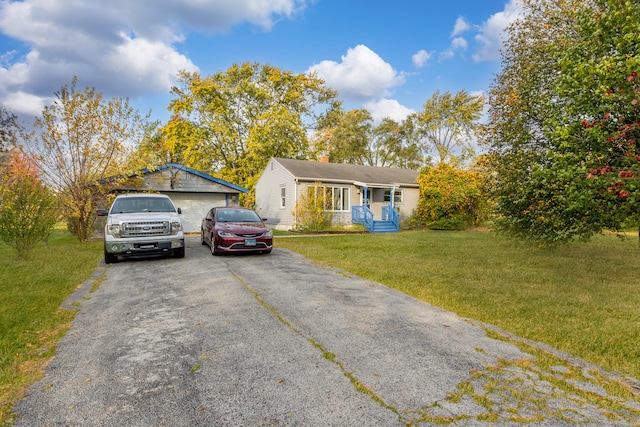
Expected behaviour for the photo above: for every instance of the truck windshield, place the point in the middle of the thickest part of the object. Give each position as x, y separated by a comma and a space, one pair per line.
142, 204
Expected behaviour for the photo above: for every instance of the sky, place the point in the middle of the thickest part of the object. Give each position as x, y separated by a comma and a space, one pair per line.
386, 56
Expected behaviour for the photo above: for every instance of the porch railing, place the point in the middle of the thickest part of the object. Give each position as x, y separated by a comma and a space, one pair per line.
362, 215
390, 214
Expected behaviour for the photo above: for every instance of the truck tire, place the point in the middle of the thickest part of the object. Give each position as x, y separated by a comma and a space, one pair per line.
110, 258
179, 253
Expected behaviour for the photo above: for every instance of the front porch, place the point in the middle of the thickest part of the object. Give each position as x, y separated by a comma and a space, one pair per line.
389, 220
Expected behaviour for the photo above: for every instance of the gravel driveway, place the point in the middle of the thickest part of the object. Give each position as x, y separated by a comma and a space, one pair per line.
271, 340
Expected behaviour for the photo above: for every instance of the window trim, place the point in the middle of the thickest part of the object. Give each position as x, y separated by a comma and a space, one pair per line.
396, 200
344, 196
283, 196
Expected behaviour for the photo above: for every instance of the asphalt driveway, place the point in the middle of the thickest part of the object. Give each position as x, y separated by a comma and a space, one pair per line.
271, 340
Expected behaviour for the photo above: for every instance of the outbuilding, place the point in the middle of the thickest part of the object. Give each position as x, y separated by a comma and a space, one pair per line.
194, 192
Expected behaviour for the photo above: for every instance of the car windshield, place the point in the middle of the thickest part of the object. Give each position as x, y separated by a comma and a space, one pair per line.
142, 204
237, 215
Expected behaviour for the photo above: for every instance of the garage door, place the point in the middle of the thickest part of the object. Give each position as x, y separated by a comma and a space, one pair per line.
195, 206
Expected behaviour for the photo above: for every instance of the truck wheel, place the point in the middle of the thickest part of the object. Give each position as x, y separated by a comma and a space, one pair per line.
179, 253
110, 258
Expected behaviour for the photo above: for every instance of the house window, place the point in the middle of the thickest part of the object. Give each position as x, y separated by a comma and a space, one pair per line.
397, 196
283, 197
335, 199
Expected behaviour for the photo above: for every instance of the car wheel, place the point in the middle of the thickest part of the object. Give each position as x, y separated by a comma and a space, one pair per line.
202, 240
179, 253
214, 252
110, 258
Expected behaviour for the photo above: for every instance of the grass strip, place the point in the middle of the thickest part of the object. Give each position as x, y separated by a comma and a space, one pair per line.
31, 319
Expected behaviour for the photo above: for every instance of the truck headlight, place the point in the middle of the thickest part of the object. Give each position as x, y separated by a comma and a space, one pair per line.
176, 227
112, 229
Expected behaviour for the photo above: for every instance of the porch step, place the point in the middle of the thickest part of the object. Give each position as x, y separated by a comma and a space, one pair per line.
383, 227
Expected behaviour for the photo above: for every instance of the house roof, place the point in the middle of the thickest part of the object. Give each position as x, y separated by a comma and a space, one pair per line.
371, 176
178, 166
197, 173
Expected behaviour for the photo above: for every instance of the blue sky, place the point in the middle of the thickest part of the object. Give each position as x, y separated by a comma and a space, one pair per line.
386, 56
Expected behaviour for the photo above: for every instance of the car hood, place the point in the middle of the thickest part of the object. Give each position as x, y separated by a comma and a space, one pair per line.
241, 227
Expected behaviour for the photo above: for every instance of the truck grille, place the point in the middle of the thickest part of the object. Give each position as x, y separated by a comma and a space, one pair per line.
146, 228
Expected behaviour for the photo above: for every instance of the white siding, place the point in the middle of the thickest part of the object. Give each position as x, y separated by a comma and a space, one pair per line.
409, 202
268, 193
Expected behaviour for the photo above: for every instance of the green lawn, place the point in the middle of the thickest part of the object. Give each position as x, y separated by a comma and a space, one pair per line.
31, 320
582, 298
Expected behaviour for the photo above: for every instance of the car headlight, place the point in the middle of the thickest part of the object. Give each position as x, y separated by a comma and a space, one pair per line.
268, 233
225, 234
112, 230
176, 227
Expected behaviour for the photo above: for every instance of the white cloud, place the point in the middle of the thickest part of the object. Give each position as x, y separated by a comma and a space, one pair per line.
446, 54
362, 74
460, 26
387, 108
459, 43
28, 105
492, 31
421, 58
120, 47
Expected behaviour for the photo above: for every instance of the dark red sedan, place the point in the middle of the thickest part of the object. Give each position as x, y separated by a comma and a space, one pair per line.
234, 229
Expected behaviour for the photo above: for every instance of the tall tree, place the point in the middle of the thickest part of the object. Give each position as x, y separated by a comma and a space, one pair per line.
10, 133
232, 122
447, 125
559, 147
81, 139
28, 209
352, 137
392, 146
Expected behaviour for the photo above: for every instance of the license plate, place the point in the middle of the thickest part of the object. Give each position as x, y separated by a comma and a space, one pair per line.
250, 242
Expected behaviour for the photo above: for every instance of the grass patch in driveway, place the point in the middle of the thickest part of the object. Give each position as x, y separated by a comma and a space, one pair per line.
31, 319
582, 298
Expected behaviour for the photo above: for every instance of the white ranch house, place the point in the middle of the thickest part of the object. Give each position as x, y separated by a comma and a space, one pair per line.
361, 194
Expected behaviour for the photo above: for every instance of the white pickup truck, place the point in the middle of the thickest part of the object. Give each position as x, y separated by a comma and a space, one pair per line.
142, 224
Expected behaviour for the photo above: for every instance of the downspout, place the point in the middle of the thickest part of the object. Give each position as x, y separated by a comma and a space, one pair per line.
296, 183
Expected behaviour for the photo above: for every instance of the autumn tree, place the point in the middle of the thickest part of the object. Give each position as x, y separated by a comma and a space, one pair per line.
348, 137
231, 123
28, 209
152, 150
352, 137
81, 139
10, 133
447, 125
451, 198
391, 146
563, 118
